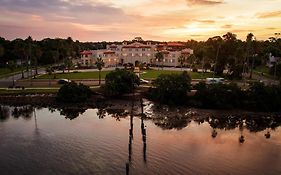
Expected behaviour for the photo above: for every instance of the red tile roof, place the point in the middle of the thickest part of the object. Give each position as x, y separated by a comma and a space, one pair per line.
86, 52
136, 46
109, 52
174, 44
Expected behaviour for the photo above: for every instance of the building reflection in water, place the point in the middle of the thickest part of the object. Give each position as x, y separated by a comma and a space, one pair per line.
4, 113
143, 131
131, 135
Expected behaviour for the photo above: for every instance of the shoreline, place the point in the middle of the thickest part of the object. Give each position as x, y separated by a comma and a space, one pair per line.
98, 100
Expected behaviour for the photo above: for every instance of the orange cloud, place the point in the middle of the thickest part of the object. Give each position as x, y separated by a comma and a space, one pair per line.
274, 14
204, 2
227, 26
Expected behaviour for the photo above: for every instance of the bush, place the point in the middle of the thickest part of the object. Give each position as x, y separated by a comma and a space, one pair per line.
194, 68
73, 93
119, 82
266, 98
218, 95
171, 88
278, 70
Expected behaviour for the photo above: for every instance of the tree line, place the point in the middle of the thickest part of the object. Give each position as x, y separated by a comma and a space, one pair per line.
44, 52
221, 52
234, 54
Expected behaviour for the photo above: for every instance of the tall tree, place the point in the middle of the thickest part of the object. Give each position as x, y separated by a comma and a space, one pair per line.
250, 52
37, 53
181, 60
159, 58
1, 50
100, 64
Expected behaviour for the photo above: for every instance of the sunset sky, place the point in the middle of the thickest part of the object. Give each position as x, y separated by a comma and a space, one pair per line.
111, 20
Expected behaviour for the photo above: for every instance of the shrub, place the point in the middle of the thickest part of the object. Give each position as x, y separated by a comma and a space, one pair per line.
120, 82
73, 93
266, 98
171, 88
194, 68
218, 95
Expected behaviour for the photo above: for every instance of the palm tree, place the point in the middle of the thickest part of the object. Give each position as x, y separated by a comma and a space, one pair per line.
181, 60
49, 71
37, 54
159, 57
1, 50
69, 64
100, 64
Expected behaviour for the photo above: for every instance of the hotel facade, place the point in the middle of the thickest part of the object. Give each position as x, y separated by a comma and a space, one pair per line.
135, 52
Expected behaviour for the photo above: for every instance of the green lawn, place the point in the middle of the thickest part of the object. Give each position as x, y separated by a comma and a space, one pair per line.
76, 75
263, 69
152, 74
6, 71
147, 74
28, 91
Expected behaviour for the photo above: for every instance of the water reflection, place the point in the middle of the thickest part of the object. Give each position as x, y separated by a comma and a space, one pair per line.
141, 143
4, 113
24, 112
72, 112
143, 130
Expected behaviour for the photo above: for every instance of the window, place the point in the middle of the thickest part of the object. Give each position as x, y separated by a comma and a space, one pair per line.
137, 49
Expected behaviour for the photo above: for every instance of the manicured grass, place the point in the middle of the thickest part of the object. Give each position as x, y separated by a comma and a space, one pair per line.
147, 74
152, 74
263, 69
6, 71
28, 91
76, 75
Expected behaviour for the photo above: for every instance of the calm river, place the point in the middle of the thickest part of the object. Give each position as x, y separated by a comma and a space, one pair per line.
124, 137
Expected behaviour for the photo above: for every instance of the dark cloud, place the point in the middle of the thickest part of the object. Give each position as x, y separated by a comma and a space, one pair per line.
274, 14
204, 2
72, 11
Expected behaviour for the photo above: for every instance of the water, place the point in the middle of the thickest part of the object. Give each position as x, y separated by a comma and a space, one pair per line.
167, 141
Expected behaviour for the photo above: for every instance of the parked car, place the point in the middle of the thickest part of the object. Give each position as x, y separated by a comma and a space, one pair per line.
214, 80
64, 81
143, 81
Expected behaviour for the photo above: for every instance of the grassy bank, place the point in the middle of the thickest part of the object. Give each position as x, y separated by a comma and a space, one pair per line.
6, 72
153, 74
147, 74
27, 91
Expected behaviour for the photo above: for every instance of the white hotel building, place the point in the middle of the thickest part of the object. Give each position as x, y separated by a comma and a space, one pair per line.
136, 52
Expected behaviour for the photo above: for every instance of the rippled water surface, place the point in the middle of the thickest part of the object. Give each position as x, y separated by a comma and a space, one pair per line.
160, 141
